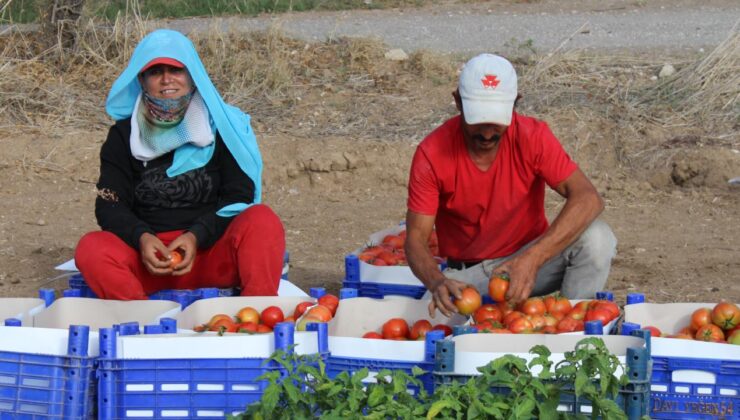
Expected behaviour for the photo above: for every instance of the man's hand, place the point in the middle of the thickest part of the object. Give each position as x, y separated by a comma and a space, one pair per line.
441, 296
185, 244
522, 271
154, 255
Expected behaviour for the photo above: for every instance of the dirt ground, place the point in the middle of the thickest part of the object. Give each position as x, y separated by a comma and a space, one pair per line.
336, 166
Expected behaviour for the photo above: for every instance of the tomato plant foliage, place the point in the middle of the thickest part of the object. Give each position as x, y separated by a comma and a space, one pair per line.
507, 388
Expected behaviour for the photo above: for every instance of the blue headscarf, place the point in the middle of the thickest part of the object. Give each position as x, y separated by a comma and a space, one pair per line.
230, 121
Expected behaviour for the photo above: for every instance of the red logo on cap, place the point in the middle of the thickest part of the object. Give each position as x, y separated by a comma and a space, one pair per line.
490, 81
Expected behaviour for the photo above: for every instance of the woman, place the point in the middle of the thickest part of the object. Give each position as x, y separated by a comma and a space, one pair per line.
180, 176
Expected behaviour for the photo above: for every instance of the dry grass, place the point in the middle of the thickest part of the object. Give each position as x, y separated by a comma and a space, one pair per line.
345, 87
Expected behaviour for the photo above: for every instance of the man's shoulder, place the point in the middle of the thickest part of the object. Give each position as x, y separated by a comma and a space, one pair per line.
442, 137
526, 125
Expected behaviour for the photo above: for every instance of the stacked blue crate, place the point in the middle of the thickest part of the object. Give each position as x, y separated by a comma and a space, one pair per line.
376, 289
41, 386
185, 388
690, 379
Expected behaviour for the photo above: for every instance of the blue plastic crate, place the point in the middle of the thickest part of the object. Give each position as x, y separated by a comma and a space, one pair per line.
633, 397
672, 398
185, 388
381, 290
336, 365
36, 386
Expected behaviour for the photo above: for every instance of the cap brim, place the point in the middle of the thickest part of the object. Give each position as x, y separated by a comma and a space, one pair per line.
488, 111
162, 60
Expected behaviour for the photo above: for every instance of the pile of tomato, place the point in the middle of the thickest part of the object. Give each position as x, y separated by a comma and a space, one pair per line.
250, 320
720, 324
391, 252
398, 329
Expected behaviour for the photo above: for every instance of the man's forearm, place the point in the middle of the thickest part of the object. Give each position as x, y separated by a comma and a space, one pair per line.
423, 265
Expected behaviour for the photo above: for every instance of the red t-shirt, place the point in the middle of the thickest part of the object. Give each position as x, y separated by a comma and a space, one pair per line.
491, 214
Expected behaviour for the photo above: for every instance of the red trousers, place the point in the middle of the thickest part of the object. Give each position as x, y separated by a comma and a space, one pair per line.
248, 255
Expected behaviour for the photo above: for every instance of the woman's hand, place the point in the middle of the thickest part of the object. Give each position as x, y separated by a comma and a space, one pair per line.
185, 244
441, 296
154, 255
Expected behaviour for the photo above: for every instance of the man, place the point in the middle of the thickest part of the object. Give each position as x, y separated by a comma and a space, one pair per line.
480, 178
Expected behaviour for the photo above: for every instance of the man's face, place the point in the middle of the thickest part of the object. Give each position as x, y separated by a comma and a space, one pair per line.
479, 137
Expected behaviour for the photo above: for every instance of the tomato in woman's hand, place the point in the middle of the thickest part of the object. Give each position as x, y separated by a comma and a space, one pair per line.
175, 258
498, 285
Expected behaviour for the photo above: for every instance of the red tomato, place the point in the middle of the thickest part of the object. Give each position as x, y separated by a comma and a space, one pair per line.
557, 304
498, 285
246, 327
373, 250
538, 321
301, 308
533, 306
442, 327
388, 257
394, 241
272, 315
262, 329
608, 306
175, 258
598, 315
549, 329
487, 312
505, 307
576, 313
215, 318
568, 324
550, 320
654, 332
330, 301
521, 326
419, 329
582, 306
223, 325
248, 314
469, 302
710, 332
726, 315
511, 317
372, 335
499, 331
395, 328
700, 318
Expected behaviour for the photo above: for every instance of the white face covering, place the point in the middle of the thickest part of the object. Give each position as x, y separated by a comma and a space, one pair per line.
150, 140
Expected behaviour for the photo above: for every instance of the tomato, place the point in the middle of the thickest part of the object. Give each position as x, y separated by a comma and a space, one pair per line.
726, 315
378, 262
582, 306
608, 306
550, 320
498, 285
687, 330
223, 325
372, 335
511, 317
505, 308
700, 318
469, 302
557, 304
301, 308
262, 329
710, 332
246, 327
557, 315
598, 315
487, 312
568, 324
538, 321
373, 250
419, 329
534, 306
388, 257
442, 327
321, 313
272, 315
394, 241
366, 257
576, 313
248, 314
734, 337
549, 329
289, 319
395, 328
175, 258
215, 318
521, 325
330, 301
654, 331
499, 331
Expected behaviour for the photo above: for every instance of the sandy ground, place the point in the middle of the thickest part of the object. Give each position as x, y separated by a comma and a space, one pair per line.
334, 179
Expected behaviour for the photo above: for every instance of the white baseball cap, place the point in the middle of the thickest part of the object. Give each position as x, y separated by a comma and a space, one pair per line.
488, 90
